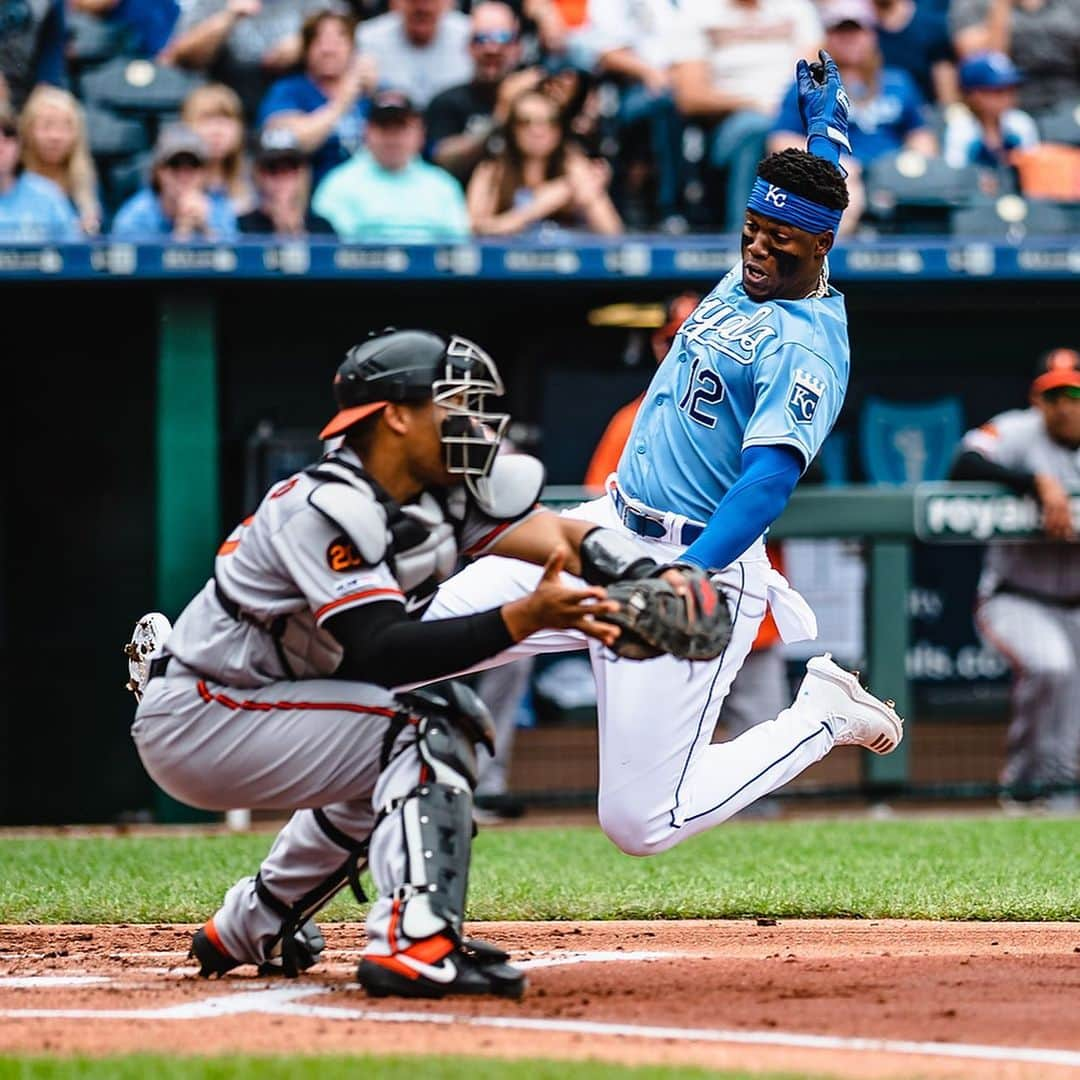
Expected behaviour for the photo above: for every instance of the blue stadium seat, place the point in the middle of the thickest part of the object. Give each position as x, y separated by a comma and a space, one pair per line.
907, 192
1011, 218
909, 442
137, 87
1061, 124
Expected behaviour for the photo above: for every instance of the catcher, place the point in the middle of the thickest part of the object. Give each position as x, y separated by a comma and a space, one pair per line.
275, 688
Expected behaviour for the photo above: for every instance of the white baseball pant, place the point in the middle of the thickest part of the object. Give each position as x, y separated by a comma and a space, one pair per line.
660, 778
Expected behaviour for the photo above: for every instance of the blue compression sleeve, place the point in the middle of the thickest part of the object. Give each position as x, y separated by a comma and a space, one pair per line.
751, 505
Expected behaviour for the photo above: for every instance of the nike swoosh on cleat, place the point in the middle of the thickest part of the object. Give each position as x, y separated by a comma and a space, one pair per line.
445, 972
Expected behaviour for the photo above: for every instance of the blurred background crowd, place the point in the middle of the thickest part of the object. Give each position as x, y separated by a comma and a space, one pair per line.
435, 120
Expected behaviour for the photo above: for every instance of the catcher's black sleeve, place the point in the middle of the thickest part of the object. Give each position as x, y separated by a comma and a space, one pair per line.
384, 646
971, 465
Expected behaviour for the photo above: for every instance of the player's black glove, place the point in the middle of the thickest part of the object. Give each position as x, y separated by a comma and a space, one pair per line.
690, 621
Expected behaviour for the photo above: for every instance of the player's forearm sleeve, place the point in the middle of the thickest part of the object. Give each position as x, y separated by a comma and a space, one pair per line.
384, 646
971, 465
751, 505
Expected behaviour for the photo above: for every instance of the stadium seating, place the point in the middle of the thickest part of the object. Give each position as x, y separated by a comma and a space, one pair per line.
137, 87
1011, 218
1061, 124
908, 193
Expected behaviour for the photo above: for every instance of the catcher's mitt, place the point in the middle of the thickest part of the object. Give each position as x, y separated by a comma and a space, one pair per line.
655, 619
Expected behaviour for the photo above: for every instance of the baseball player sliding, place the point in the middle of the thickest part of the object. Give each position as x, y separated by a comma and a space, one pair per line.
274, 689
747, 393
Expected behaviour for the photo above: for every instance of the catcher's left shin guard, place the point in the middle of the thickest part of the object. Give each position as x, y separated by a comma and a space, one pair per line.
419, 859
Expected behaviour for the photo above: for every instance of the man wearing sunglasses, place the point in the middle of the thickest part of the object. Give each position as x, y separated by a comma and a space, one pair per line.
1028, 604
283, 179
462, 119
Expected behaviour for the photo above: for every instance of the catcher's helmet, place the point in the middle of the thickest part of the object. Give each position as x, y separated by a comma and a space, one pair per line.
415, 365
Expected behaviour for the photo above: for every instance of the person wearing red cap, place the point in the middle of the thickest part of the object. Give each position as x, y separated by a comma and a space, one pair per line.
1028, 600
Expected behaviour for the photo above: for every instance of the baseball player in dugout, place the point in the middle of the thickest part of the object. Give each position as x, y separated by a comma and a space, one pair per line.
751, 385
275, 689
1028, 602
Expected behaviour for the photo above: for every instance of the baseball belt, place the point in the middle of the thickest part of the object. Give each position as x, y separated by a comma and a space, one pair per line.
655, 524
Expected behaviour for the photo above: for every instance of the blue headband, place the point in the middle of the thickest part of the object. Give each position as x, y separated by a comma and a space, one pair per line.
774, 202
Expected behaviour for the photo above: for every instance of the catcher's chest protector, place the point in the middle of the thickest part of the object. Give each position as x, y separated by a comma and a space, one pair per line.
420, 542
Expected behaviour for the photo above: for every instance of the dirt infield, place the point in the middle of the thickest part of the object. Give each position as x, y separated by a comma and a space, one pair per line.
832, 997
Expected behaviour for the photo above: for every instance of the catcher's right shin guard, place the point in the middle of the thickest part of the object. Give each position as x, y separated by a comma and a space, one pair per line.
419, 859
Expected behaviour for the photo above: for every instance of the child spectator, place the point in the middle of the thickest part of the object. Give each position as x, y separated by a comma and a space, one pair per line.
420, 47
540, 178
462, 119
215, 113
386, 193
177, 203
988, 126
326, 105
32, 36
32, 208
54, 144
283, 180
246, 44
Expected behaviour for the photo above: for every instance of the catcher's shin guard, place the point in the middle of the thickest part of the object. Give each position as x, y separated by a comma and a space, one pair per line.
420, 851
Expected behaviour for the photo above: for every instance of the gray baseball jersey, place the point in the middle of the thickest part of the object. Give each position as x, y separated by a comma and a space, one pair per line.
1018, 439
322, 542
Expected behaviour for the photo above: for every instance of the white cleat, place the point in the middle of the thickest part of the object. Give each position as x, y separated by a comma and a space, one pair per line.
146, 639
856, 717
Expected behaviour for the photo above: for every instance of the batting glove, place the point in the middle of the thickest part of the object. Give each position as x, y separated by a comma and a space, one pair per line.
823, 106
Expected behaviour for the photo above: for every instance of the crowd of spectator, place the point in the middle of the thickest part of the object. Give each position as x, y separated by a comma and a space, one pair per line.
436, 120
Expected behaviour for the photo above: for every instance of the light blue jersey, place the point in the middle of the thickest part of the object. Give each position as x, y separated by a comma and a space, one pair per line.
738, 374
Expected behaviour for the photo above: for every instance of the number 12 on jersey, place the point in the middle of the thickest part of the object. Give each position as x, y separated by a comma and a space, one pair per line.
703, 389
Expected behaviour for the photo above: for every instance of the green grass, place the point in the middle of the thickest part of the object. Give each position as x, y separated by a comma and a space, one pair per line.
1022, 869
140, 1066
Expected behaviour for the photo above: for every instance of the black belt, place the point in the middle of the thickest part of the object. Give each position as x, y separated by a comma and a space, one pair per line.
644, 525
1052, 601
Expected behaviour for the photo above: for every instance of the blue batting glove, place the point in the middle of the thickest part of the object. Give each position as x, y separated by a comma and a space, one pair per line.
823, 106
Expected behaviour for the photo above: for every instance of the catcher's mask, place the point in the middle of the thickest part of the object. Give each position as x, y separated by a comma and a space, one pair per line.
415, 365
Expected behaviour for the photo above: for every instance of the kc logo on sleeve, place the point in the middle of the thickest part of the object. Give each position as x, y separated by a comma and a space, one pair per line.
806, 392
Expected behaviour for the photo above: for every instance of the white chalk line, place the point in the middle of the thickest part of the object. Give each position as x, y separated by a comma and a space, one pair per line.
272, 998
289, 1002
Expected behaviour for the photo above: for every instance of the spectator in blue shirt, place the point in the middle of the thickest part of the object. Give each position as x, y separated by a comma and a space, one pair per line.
177, 204
914, 35
326, 105
150, 22
32, 208
988, 126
